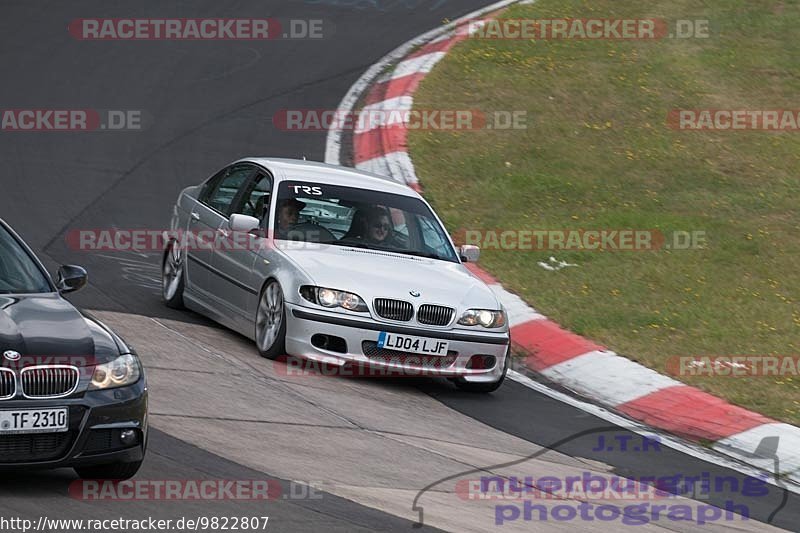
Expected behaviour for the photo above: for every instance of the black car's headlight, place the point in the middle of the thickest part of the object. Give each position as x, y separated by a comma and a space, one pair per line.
483, 317
122, 371
333, 298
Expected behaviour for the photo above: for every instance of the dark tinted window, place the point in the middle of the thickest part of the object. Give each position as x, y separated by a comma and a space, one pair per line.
221, 194
18, 272
255, 200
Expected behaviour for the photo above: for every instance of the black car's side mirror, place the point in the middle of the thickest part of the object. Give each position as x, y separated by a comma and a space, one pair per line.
71, 278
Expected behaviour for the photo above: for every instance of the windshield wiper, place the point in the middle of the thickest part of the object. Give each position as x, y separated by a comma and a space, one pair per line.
364, 246
415, 253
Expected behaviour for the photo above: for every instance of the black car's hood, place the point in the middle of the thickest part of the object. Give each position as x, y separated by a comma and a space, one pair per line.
41, 326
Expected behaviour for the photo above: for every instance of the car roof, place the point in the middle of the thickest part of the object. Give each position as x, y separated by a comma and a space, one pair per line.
298, 170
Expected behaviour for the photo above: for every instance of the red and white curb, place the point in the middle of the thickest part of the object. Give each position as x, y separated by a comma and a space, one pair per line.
561, 356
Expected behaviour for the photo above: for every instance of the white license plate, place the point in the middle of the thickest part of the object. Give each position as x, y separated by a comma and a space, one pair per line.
411, 344
33, 421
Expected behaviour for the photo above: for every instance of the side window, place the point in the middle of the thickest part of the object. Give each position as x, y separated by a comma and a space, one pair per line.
221, 194
255, 200
432, 238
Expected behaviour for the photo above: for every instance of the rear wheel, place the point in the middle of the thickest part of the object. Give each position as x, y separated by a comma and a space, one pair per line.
271, 321
109, 471
484, 388
172, 277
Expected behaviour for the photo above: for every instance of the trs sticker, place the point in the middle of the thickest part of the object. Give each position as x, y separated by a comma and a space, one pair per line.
313, 191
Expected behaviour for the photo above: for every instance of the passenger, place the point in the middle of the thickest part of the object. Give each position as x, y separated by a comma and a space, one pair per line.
380, 230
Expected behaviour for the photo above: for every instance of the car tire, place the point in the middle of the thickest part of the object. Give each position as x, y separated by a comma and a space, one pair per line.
109, 471
173, 276
484, 388
271, 321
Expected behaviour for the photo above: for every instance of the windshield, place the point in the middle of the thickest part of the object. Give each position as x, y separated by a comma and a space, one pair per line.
347, 216
18, 272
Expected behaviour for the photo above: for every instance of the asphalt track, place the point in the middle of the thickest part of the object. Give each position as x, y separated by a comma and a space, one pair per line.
219, 411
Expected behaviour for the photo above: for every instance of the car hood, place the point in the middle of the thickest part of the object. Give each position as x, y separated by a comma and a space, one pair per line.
46, 329
375, 274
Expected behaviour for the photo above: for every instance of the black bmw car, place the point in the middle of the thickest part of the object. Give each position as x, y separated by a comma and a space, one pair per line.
72, 393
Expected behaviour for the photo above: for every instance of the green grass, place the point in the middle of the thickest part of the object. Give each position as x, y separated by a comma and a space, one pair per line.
597, 153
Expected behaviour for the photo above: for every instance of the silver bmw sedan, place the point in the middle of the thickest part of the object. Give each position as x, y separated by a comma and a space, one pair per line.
332, 265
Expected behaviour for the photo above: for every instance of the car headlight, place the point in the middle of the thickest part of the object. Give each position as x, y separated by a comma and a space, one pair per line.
483, 317
333, 298
122, 371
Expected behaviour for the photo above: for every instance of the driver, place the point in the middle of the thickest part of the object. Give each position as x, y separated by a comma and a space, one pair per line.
288, 216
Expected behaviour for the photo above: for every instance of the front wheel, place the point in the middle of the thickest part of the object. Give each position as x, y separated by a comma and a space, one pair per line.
271, 321
484, 388
172, 278
109, 471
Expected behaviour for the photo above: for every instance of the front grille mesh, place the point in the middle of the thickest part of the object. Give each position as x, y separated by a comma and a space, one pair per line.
99, 440
394, 309
49, 381
8, 384
435, 315
33, 447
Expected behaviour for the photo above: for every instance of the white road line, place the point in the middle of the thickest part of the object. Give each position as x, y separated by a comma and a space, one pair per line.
787, 447
517, 309
391, 165
604, 375
333, 143
417, 65
384, 113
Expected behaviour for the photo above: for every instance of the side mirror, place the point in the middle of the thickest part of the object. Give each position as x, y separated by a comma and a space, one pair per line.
469, 253
71, 278
243, 223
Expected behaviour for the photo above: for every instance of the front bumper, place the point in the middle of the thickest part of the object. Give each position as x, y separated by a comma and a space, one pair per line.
95, 417
303, 323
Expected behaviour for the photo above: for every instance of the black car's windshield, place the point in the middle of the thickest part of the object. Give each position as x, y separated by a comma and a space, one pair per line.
347, 216
18, 272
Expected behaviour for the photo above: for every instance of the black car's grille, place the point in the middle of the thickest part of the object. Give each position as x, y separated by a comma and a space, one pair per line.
435, 315
103, 440
33, 447
8, 384
99, 440
49, 381
382, 355
394, 309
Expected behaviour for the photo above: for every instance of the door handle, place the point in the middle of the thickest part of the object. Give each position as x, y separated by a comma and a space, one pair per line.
223, 232
195, 216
